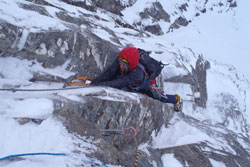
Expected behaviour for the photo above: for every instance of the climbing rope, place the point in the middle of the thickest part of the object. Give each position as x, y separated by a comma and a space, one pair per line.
80, 80
91, 160
39, 90
137, 155
31, 154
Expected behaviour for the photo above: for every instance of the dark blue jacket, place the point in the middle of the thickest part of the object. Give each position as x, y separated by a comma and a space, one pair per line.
113, 77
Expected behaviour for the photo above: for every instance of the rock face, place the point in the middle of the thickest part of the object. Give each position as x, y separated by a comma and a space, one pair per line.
197, 80
85, 53
92, 115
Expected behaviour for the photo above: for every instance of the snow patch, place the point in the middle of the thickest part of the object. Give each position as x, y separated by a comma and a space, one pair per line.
170, 161
30, 107
23, 39
217, 163
175, 135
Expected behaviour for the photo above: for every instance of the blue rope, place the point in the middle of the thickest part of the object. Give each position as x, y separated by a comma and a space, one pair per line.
29, 154
103, 164
53, 154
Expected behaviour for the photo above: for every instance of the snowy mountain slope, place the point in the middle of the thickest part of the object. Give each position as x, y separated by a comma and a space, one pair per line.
224, 118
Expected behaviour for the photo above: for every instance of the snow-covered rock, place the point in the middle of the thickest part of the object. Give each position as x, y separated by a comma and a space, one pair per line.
42, 43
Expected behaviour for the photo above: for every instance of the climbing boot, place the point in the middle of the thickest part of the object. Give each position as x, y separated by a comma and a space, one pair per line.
178, 104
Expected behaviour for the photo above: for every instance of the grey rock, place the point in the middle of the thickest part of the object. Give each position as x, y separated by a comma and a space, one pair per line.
85, 53
200, 75
232, 3
90, 117
197, 80
34, 7
156, 12
82, 4
183, 7
154, 29
180, 21
112, 6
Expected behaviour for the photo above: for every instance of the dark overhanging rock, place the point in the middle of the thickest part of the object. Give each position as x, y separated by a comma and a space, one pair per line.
87, 118
76, 116
148, 115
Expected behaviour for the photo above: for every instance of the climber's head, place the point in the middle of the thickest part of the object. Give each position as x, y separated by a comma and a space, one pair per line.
129, 57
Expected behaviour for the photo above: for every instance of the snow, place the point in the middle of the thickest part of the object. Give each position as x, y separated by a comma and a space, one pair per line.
226, 40
49, 136
18, 72
27, 19
23, 39
129, 13
217, 163
177, 137
14, 71
170, 161
220, 36
30, 108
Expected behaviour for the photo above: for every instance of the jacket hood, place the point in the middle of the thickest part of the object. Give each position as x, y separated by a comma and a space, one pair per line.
131, 54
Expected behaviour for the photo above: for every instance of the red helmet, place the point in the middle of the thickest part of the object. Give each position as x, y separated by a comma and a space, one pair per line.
131, 54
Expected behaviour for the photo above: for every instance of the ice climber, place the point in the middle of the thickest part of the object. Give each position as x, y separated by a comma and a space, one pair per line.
134, 70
